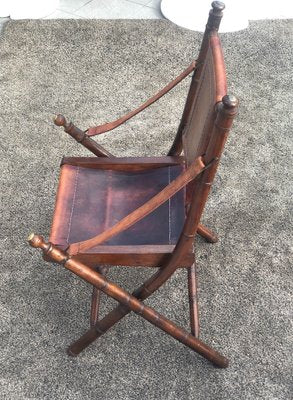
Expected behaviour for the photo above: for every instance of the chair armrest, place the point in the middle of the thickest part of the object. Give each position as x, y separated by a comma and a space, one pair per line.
97, 130
81, 137
170, 190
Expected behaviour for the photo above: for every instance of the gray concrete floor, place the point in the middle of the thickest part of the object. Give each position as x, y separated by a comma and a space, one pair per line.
107, 9
103, 9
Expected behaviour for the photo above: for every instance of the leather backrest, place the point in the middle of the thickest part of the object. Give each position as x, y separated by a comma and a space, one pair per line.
210, 81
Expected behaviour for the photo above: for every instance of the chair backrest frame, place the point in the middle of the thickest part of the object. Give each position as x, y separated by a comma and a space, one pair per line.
211, 30
215, 124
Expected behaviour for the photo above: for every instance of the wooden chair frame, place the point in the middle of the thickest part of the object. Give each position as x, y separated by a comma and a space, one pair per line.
197, 177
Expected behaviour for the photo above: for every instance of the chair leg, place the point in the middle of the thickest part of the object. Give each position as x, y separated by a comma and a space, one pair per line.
127, 302
208, 235
95, 301
130, 302
119, 312
193, 303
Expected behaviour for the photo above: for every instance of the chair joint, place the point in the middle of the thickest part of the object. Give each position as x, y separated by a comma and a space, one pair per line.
80, 138
188, 236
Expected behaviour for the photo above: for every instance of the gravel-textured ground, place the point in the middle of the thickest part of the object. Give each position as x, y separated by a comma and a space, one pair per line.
93, 71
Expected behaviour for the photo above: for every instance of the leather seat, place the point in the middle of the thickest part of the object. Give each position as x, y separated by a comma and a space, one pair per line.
90, 200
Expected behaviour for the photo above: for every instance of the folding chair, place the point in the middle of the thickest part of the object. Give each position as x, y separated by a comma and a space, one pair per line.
145, 211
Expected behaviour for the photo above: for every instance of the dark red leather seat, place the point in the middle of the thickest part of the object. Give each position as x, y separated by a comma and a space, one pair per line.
90, 200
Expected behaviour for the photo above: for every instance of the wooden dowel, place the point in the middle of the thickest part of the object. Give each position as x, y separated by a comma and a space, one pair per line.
96, 299
81, 137
95, 306
193, 303
131, 302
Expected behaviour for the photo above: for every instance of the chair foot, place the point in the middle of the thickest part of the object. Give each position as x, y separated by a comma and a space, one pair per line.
208, 235
84, 341
71, 353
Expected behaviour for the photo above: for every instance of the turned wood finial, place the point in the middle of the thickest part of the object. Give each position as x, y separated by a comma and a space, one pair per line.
37, 241
70, 128
228, 108
50, 252
60, 120
230, 105
230, 101
218, 6
215, 15
81, 136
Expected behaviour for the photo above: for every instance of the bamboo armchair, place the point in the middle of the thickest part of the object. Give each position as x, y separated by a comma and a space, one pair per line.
98, 224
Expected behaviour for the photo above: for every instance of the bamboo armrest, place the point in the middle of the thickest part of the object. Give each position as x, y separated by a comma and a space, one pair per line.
170, 190
97, 130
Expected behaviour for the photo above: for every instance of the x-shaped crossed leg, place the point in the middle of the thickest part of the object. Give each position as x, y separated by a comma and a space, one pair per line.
128, 302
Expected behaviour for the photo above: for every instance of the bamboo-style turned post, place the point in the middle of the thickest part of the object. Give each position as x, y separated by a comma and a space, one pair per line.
81, 137
129, 301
